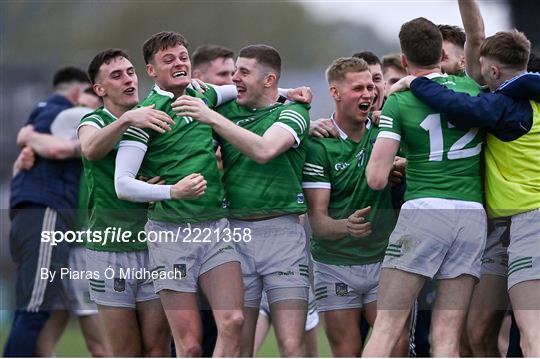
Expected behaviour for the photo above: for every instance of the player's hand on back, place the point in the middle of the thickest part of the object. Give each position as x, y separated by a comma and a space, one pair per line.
199, 85
323, 127
24, 134
401, 85
357, 226
153, 180
148, 117
191, 186
301, 94
376, 117
398, 171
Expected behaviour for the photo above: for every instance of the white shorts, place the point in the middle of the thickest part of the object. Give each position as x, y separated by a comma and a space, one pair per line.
345, 287
77, 287
438, 238
117, 284
276, 257
186, 255
524, 249
495, 257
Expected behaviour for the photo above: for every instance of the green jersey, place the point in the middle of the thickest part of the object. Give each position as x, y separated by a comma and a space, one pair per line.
254, 189
105, 209
188, 148
339, 164
443, 161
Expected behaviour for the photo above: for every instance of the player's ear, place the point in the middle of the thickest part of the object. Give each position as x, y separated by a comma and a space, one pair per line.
495, 72
461, 62
403, 61
334, 92
443, 54
99, 90
270, 79
195, 74
150, 70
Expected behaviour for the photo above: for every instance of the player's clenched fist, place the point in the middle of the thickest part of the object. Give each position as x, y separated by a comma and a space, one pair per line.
357, 226
191, 186
147, 117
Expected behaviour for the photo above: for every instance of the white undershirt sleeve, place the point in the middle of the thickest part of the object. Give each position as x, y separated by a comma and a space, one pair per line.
128, 161
225, 93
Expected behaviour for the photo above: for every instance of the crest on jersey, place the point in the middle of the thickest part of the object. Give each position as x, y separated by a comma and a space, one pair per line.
361, 157
119, 284
300, 198
180, 270
342, 289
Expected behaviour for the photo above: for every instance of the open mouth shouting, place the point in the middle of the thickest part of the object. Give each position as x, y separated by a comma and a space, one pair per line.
364, 107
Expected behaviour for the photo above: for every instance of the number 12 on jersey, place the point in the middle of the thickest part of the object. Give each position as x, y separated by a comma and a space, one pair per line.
432, 124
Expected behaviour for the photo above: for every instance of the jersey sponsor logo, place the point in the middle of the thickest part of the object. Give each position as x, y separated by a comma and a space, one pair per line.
289, 272
180, 268
119, 284
244, 121
342, 289
341, 166
300, 198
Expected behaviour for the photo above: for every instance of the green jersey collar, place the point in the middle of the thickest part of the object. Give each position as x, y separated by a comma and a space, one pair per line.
342, 133
109, 113
163, 92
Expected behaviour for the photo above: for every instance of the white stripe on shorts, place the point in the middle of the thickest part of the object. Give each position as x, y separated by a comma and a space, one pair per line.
44, 261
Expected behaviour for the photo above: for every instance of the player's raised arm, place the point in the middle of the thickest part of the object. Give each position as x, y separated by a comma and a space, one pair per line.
474, 30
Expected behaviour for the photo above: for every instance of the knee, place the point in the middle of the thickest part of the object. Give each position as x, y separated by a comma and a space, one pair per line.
97, 349
192, 349
232, 323
157, 352
292, 347
476, 335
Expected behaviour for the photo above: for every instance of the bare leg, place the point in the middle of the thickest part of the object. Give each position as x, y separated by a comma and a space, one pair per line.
312, 343
51, 333
248, 331
224, 289
487, 309
289, 317
342, 329
156, 335
94, 335
397, 292
122, 331
449, 314
182, 313
261, 331
525, 298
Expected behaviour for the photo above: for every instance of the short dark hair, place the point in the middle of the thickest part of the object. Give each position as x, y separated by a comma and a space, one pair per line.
510, 48
207, 53
161, 41
534, 63
368, 57
453, 34
339, 68
103, 57
421, 42
69, 74
264, 54
392, 60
